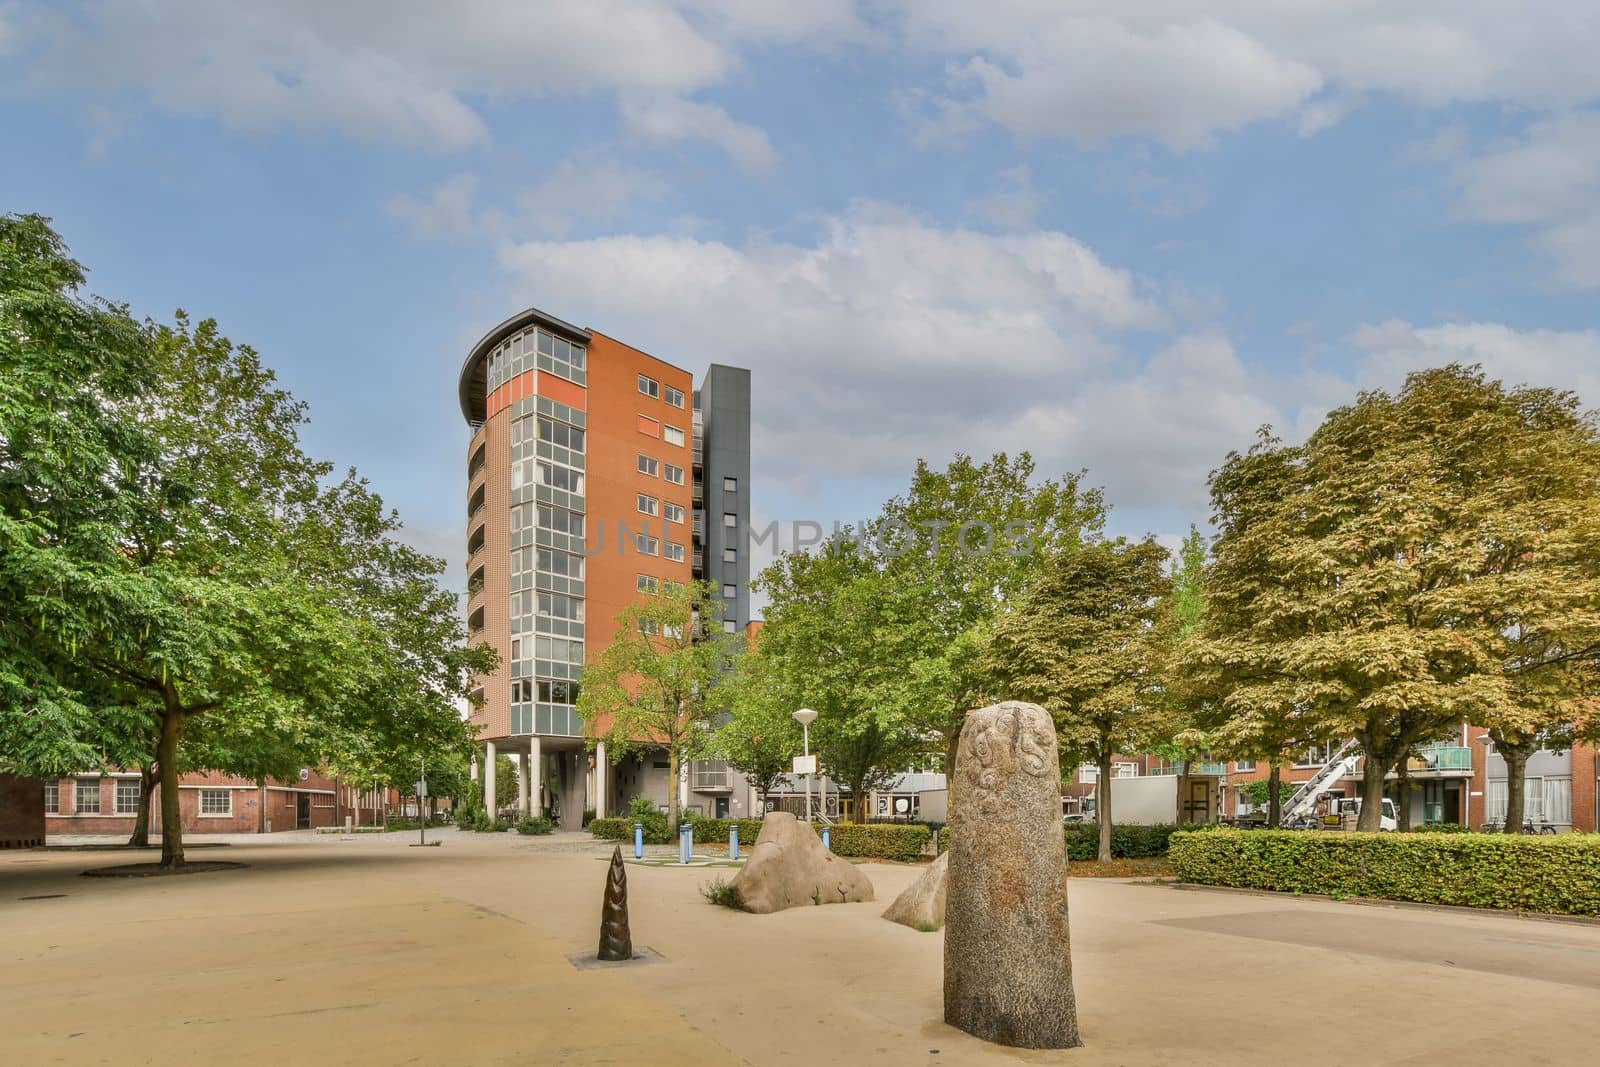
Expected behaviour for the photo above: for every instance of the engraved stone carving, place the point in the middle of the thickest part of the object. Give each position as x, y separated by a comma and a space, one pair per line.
616, 941
1007, 972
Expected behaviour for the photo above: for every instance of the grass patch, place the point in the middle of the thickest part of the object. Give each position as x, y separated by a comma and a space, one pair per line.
723, 894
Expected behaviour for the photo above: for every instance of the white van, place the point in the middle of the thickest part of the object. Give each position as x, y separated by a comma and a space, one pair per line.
1344, 812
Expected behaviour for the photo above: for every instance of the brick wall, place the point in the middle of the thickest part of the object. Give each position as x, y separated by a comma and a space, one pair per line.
21, 812
1585, 767
245, 814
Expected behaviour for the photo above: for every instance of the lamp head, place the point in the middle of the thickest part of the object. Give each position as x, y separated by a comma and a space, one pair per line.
805, 716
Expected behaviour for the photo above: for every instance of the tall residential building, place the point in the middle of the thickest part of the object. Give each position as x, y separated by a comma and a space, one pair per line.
587, 486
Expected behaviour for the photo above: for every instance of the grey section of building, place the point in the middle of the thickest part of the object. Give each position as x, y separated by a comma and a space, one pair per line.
723, 406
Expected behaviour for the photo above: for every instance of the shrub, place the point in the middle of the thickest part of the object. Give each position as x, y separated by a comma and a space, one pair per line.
890, 841
588, 816
1559, 874
1127, 842
715, 831
611, 829
656, 831
534, 826
722, 894
1442, 828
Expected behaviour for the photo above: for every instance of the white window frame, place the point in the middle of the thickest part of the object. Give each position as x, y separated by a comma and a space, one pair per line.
645, 504
648, 465
729, 626
672, 512
1244, 766
729, 520
1088, 774
730, 555
211, 795
649, 387
1124, 770
673, 474
730, 485
730, 591
647, 583
672, 396
647, 545
672, 435
117, 795
52, 797
675, 552
78, 791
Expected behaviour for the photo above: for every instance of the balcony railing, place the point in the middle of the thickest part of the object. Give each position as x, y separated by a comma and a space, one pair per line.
1447, 757
1198, 767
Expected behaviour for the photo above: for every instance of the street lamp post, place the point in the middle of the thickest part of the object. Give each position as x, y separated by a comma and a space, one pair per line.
805, 717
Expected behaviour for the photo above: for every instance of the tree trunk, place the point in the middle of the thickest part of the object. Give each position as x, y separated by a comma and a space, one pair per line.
1102, 790
952, 744
1516, 787
1274, 796
1372, 775
672, 792
171, 814
148, 777
858, 798
1402, 804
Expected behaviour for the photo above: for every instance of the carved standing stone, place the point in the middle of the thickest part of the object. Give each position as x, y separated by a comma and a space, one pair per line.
616, 942
1007, 969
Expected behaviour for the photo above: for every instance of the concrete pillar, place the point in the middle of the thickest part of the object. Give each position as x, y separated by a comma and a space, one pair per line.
524, 773
488, 777
572, 779
602, 781
536, 775
683, 785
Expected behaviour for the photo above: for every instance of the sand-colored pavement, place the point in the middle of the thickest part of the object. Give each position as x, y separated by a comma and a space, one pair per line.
366, 951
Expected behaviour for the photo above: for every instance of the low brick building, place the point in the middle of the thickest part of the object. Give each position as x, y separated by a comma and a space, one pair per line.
21, 812
108, 803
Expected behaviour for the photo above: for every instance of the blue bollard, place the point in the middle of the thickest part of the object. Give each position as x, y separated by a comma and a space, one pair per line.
686, 840
733, 842
638, 840
827, 844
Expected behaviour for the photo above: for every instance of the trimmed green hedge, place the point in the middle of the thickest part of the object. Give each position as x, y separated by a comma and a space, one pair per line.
1127, 842
1559, 874
890, 841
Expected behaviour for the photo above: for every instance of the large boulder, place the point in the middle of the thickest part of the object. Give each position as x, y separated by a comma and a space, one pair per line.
1007, 962
921, 906
789, 868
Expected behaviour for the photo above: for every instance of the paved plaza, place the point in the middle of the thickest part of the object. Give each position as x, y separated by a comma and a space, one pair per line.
366, 951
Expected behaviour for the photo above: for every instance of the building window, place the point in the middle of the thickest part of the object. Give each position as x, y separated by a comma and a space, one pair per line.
675, 552
1315, 756
729, 520
649, 427
647, 583
646, 505
52, 797
730, 485
559, 519
559, 433
649, 387
558, 692
729, 591
127, 796
1124, 770
647, 545
554, 561
558, 606
674, 474
87, 799
672, 396
560, 477
649, 627
673, 512
672, 435
730, 555
729, 626
1088, 773
216, 802
1244, 766
649, 465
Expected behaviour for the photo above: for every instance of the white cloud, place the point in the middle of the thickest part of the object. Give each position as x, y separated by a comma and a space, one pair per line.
1560, 359
400, 70
449, 211
589, 186
666, 120
1549, 180
1015, 206
1164, 70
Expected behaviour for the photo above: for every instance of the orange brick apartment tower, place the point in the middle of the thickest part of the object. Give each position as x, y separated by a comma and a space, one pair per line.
584, 470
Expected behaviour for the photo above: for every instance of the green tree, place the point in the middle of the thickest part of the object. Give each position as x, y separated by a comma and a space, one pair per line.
652, 686
959, 546
837, 639
1427, 557
73, 370
1084, 642
760, 737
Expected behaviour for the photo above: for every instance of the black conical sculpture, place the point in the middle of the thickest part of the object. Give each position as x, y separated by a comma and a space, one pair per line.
616, 942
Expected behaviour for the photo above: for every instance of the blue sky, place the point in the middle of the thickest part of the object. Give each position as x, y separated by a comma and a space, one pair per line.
1121, 236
